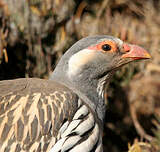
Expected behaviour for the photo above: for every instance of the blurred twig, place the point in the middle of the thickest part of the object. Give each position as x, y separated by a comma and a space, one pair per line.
137, 125
3, 41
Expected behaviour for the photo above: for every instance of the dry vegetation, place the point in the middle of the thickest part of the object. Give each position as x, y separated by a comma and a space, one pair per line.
35, 33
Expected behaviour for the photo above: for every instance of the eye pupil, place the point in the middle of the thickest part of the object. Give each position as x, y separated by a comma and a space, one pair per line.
106, 47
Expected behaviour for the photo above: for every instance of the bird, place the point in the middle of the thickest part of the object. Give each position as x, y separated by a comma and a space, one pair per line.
66, 112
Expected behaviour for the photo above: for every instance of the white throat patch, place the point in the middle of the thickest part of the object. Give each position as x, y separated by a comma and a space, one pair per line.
78, 60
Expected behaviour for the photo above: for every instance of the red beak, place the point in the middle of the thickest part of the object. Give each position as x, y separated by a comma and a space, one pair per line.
135, 52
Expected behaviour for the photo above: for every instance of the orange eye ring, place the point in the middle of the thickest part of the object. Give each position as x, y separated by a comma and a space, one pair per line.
105, 46
109, 43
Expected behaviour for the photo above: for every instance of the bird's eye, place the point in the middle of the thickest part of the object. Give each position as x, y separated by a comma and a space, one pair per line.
106, 47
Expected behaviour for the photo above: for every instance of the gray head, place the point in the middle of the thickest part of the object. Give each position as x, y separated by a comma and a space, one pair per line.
89, 64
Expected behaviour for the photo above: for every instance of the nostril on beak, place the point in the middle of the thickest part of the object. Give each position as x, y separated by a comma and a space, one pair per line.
126, 47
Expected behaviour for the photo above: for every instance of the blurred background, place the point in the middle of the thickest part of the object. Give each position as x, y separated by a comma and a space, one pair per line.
34, 34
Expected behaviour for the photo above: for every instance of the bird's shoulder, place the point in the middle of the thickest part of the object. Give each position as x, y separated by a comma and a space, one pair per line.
38, 114
29, 85
33, 91
32, 111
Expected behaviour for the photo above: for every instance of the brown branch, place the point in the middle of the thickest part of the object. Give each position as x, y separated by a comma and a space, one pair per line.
137, 125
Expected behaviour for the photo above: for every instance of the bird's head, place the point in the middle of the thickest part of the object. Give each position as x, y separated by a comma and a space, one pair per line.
97, 56
103, 56
90, 63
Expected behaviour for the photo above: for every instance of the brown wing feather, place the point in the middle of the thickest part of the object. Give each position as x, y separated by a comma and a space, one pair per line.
31, 113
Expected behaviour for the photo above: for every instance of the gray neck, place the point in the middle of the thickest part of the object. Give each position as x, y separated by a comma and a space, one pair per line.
90, 90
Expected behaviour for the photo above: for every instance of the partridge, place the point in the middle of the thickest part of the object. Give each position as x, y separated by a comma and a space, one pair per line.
65, 113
